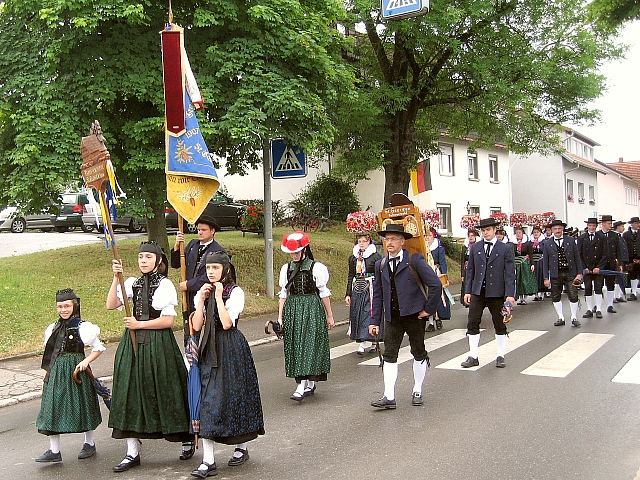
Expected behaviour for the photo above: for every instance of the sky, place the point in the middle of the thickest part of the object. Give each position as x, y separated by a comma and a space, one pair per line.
618, 131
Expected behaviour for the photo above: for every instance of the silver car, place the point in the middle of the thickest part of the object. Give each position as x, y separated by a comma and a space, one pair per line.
11, 219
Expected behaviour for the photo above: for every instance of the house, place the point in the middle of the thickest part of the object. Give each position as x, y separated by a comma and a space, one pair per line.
565, 182
621, 185
456, 181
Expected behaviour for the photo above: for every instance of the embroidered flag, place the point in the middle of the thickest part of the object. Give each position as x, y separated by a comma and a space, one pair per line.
421, 177
191, 176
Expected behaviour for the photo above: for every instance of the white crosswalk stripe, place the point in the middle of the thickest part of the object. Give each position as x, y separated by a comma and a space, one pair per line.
630, 373
431, 344
564, 359
342, 350
487, 352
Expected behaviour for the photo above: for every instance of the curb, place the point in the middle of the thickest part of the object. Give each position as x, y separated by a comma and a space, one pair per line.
26, 397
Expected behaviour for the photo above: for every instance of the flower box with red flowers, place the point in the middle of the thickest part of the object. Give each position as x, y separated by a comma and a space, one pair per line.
431, 218
363, 221
500, 217
518, 219
253, 219
470, 220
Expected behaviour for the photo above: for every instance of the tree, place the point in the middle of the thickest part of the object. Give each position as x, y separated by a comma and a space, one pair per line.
266, 68
502, 71
613, 13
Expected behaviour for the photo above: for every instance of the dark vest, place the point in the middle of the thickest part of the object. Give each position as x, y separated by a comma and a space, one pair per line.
65, 338
395, 305
142, 308
300, 278
563, 262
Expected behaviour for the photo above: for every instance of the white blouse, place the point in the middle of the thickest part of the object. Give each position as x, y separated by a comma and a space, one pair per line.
320, 275
234, 304
89, 334
164, 299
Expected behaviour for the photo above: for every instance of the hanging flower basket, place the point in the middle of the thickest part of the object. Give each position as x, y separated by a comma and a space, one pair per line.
363, 221
500, 216
431, 218
518, 219
470, 220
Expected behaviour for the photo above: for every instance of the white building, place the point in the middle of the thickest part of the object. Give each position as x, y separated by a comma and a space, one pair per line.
619, 190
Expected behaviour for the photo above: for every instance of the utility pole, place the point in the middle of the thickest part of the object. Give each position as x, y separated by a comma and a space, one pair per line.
268, 217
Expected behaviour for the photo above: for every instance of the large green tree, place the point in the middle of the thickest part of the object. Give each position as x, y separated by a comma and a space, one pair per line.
502, 71
613, 13
266, 68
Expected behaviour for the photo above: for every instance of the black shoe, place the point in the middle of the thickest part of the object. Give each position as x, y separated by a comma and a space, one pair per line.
438, 324
208, 471
470, 362
588, 314
558, 323
416, 399
187, 454
536, 299
500, 363
124, 466
632, 297
309, 391
430, 328
575, 322
622, 300
384, 403
87, 451
49, 457
598, 314
235, 461
611, 310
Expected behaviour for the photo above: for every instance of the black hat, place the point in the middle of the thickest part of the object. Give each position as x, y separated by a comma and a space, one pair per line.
591, 220
153, 247
395, 228
606, 218
618, 223
634, 220
218, 257
488, 222
557, 222
66, 294
207, 220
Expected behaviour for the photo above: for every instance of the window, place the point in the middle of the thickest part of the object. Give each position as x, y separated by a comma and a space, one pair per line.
446, 160
493, 168
580, 192
493, 210
592, 195
570, 190
472, 158
474, 209
631, 196
445, 216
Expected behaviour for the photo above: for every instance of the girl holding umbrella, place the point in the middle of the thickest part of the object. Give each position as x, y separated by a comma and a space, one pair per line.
305, 312
230, 406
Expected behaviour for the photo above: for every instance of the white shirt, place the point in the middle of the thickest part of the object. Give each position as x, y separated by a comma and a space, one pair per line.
555, 240
164, 299
88, 334
320, 275
399, 256
234, 304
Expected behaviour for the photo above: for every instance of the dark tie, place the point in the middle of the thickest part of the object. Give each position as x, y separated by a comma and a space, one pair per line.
591, 237
558, 242
394, 263
487, 250
201, 249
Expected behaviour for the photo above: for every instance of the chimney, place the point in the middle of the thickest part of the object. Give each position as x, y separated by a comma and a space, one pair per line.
620, 159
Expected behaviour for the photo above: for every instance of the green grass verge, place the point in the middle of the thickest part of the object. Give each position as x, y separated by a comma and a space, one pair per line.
28, 283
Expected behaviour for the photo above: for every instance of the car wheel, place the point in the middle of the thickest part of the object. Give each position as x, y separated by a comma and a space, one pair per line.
61, 229
87, 228
192, 228
18, 225
135, 226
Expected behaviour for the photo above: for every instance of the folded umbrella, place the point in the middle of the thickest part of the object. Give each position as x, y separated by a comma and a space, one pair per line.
193, 383
101, 388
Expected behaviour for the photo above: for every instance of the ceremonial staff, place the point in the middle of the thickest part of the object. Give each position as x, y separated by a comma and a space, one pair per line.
98, 174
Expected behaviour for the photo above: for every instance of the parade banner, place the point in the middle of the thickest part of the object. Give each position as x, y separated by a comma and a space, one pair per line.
191, 176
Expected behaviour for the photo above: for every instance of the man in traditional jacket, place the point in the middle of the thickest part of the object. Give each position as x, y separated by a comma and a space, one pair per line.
592, 257
613, 258
632, 240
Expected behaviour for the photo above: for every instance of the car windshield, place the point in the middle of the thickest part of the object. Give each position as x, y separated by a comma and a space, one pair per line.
7, 210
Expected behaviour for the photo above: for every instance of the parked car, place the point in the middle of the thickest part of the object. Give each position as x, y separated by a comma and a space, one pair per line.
13, 220
222, 208
133, 224
70, 212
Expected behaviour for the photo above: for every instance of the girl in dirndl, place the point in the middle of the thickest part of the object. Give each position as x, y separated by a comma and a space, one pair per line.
149, 398
360, 291
536, 262
472, 236
438, 261
305, 312
67, 407
525, 280
230, 406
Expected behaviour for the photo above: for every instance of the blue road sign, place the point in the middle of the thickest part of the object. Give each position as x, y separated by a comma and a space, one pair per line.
393, 9
287, 161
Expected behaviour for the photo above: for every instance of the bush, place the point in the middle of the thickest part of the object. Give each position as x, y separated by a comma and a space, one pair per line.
328, 197
276, 208
452, 247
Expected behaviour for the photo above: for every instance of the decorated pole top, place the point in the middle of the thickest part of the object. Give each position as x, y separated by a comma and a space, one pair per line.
95, 157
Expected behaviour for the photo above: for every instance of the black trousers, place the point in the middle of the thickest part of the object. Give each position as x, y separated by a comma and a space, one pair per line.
634, 271
563, 280
593, 283
477, 306
394, 333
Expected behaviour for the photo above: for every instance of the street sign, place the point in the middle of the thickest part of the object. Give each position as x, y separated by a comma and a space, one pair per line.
394, 9
287, 161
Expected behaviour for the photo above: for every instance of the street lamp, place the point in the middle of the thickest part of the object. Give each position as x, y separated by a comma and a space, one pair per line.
468, 208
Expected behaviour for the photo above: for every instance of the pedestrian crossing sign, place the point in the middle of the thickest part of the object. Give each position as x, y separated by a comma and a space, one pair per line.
287, 161
394, 9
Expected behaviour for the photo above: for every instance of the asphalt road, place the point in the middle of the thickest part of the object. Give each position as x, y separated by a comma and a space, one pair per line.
489, 424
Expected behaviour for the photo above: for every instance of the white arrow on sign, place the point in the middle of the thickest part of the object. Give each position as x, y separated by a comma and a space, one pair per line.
288, 161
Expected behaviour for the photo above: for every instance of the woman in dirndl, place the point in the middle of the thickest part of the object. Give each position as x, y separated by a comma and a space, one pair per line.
525, 280
149, 398
536, 262
230, 405
67, 407
360, 292
306, 315
438, 261
472, 236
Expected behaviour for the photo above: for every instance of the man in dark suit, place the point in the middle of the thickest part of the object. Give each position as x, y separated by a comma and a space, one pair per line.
621, 280
613, 258
489, 281
562, 268
406, 291
592, 258
632, 239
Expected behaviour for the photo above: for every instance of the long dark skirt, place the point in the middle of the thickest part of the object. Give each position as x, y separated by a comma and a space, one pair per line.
360, 310
65, 406
149, 397
230, 408
526, 283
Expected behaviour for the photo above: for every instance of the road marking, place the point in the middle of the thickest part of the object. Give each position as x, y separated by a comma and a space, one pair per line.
487, 352
345, 349
564, 359
430, 344
630, 373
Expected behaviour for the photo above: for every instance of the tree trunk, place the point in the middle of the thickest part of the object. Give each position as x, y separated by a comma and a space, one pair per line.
400, 152
156, 225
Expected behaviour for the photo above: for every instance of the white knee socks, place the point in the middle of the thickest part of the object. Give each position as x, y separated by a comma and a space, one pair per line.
242, 446
390, 374
207, 451
598, 302
574, 310
609, 298
54, 443
634, 287
419, 372
88, 437
617, 291
300, 387
501, 341
474, 342
589, 301
132, 448
558, 307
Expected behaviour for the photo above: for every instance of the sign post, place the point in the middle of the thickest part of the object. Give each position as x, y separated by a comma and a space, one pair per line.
268, 219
